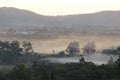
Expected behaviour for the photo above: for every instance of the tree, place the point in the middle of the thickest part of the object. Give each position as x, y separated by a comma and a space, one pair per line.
14, 44
89, 48
10, 51
15, 47
82, 60
27, 47
73, 48
111, 61
5, 46
110, 51
61, 53
20, 72
118, 60
118, 49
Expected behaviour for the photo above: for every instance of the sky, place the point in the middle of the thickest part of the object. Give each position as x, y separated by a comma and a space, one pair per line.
62, 7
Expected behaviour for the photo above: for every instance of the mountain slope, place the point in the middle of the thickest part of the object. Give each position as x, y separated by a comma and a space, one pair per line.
13, 17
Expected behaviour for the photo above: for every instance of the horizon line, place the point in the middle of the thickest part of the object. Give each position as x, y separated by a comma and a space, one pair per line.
70, 14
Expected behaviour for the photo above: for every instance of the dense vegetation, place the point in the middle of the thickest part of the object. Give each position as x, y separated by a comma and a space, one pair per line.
14, 53
68, 71
19, 55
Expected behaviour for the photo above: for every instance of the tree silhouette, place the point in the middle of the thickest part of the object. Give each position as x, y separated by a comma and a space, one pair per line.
10, 51
82, 60
73, 48
27, 48
111, 61
89, 48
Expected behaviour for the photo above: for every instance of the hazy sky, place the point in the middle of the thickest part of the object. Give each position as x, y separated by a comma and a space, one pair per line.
62, 7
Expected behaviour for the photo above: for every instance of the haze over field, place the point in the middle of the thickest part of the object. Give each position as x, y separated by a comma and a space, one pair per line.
59, 39
46, 46
50, 32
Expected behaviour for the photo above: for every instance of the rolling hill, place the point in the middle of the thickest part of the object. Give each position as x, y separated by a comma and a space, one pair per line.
13, 17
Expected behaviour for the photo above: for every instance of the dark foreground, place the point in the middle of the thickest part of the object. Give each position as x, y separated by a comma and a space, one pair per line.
68, 71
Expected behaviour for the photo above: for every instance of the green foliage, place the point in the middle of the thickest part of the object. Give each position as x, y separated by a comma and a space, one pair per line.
27, 48
19, 72
13, 53
68, 71
9, 51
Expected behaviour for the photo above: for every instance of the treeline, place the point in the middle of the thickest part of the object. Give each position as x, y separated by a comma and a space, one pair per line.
68, 71
115, 51
73, 49
14, 53
20, 54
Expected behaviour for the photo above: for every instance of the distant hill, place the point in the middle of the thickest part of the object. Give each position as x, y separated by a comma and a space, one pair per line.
13, 17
